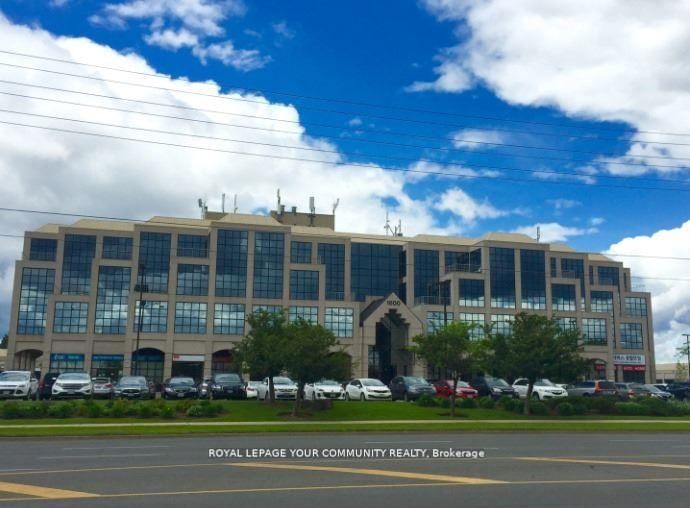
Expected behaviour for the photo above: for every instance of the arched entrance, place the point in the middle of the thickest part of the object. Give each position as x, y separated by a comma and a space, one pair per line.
27, 359
148, 362
222, 361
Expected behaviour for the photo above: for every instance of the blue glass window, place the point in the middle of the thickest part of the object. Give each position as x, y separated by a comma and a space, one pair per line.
192, 246
608, 275
310, 314
304, 285
631, 335
436, 321
271, 309
471, 293
426, 276
111, 300
76, 264
567, 324
192, 280
61, 362
190, 317
533, 279
339, 320
476, 319
575, 269
463, 261
553, 265
154, 317
635, 306
601, 301
300, 252
502, 324
594, 331
70, 317
333, 256
231, 263
43, 249
117, 247
375, 270
268, 264
36, 285
154, 255
228, 319
502, 277
563, 297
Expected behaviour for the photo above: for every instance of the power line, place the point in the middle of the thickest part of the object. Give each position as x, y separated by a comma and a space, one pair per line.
347, 101
238, 99
342, 164
373, 141
323, 150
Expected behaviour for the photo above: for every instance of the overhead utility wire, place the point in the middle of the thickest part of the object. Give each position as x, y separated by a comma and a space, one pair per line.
347, 101
238, 99
341, 164
325, 150
369, 141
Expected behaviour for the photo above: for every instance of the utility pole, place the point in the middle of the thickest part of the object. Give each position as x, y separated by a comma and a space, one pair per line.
141, 287
687, 350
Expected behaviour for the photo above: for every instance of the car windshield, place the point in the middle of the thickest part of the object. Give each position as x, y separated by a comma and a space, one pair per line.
282, 381
328, 382
653, 389
607, 385
499, 383
14, 376
372, 382
75, 376
185, 381
461, 384
133, 381
228, 378
544, 382
416, 380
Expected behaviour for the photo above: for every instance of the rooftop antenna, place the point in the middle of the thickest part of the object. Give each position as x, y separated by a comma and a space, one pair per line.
278, 194
222, 208
312, 205
234, 206
202, 206
335, 205
387, 227
398, 228
538, 233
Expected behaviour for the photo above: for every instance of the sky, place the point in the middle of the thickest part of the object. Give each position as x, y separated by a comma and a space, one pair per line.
454, 117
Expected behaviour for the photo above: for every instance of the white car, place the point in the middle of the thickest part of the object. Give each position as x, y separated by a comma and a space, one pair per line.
252, 389
285, 389
367, 389
72, 384
324, 389
18, 384
542, 389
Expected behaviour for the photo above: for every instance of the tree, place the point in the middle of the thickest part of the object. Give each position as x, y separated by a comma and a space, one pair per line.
309, 355
681, 372
683, 353
538, 348
3, 342
263, 348
451, 349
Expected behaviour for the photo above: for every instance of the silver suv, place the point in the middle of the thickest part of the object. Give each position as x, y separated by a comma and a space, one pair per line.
592, 389
18, 384
72, 384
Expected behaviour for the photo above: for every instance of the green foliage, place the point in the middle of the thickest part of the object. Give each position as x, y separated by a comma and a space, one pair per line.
632, 409
12, 409
565, 409
94, 410
61, 410
602, 405
262, 350
182, 406
487, 403
579, 409
539, 408
119, 409
426, 401
205, 409
444, 403
467, 403
145, 410
501, 402
167, 412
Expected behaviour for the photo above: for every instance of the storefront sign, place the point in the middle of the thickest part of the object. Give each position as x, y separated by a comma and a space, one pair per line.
66, 357
188, 358
634, 368
628, 359
108, 358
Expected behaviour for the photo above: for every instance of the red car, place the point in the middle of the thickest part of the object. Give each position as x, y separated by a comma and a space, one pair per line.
464, 391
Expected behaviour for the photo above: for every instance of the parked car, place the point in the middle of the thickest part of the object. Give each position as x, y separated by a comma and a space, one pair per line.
103, 387
593, 388
227, 385
324, 389
542, 389
252, 389
488, 386
649, 390
625, 390
134, 387
410, 388
662, 386
45, 387
72, 384
680, 391
444, 388
367, 389
285, 388
179, 388
204, 388
18, 384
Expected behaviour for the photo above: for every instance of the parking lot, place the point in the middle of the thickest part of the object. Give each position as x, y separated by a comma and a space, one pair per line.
519, 469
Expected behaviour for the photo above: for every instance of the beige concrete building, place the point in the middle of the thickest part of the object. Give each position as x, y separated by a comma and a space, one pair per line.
77, 290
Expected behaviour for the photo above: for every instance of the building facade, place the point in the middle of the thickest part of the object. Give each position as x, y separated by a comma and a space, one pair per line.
84, 292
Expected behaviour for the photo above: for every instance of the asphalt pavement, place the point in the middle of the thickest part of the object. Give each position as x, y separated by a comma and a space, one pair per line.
384, 470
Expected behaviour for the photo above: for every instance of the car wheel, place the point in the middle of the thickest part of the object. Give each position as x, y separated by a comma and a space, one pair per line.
361, 397
585, 394
535, 396
313, 395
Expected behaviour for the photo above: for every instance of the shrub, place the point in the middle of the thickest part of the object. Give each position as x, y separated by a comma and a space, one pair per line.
196, 411
565, 409
511, 404
145, 410
538, 408
467, 403
579, 409
445, 402
12, 409
94, 410
119, 408
167, 412
503, 401
61, 410
555, 402
632, 409
426, 401
656, 407
486, 403
602, 405
182, 406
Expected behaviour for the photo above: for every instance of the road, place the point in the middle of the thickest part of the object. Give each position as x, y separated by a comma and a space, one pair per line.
519, 469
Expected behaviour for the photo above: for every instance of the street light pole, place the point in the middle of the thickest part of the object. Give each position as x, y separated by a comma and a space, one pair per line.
140, 287
687, 350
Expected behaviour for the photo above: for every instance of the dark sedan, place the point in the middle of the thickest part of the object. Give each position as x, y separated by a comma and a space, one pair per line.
45, 388
680, 391
227, 386
410, 388
494, 387
180, 388
134, 387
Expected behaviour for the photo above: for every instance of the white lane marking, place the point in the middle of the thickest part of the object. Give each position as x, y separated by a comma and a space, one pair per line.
12, 470
114, 447
643, 441
125, 455
403, 442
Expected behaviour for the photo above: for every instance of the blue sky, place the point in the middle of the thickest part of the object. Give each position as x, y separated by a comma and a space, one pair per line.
554, 78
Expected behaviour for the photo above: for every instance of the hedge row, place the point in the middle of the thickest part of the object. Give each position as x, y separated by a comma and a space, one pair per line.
110, 409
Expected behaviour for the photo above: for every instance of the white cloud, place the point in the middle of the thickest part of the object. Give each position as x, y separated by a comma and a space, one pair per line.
553, 231
670, 296
448, 171
597, 221
591, 59
58, 171
281, 28
474, 139
563, 204
175, 24
469, 210
354, 122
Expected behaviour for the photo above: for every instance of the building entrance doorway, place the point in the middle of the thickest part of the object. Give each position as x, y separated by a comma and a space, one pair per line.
388, 357
188, 366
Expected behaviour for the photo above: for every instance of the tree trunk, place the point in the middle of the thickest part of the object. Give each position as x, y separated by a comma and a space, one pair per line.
298, 398
452, 397
271, 390
528, 399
